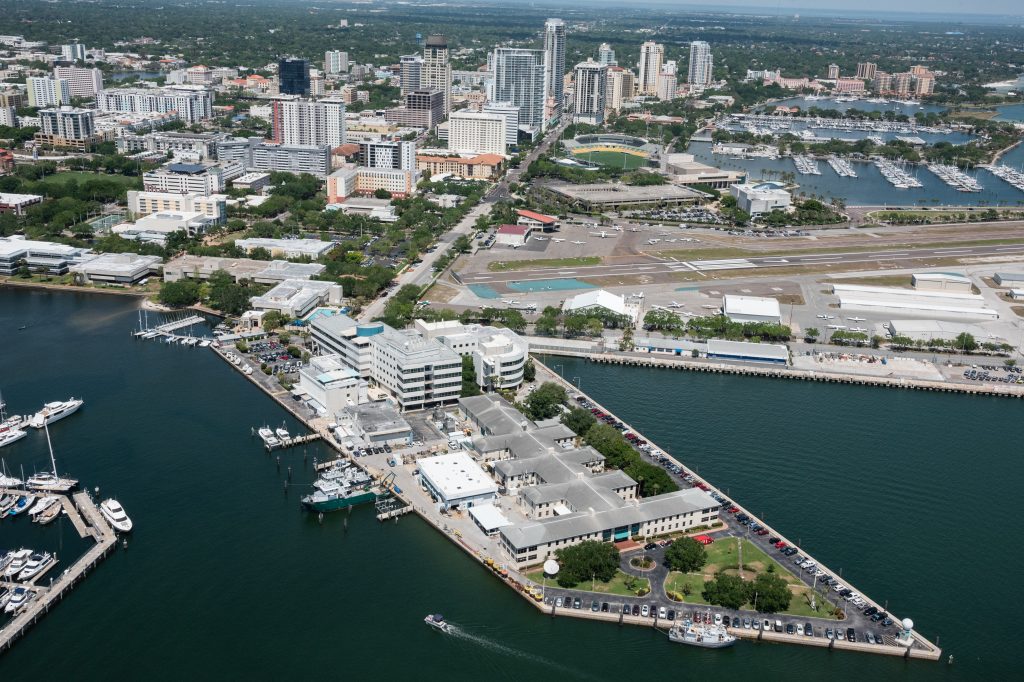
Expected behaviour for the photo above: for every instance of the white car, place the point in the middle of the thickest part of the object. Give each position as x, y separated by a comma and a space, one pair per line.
838, 587
718, 619
799, 629
851, 596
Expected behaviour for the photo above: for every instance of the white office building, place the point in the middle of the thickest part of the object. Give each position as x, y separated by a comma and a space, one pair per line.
651, 57
589, 83
38, 256
117, 268
330, 385
44, 91
193, 103
519, 78
477, 133
390, 154
82, 82
700, 71
510, 112
306, 122
144, 203
298, 297
287, 248
455, 481
73, 52
190, 178
499, 355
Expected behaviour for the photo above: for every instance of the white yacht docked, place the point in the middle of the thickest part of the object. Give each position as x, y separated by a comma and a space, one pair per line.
37, 563
18, 599
55, 411
266, 434
17, 563
115, 514
42, 504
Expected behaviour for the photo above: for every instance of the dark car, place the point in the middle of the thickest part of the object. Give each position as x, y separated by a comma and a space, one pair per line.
671, 614
636, 609
877, 617
851, 634
651, 545
808, 629
870, 611
886, 622
772, 540
790, 629
604, 607
736, 622
576, 603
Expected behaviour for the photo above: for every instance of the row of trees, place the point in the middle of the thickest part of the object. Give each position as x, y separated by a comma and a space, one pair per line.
715, 327
591, 322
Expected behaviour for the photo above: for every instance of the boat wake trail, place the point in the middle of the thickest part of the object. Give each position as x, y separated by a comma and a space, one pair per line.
509, 651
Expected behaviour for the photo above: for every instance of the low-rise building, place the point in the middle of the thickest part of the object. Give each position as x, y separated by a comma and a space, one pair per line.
683, 169
17, 203
455, 481
539, 221
117, 268
252, 182
601, 302
287, 248
748, 352
144, 203
513, 235
330, 386
1009, 279
183, 146
941, 281
751, 309
373, 423
298, 297
470, 166
39, 256
190, 178
761, 198
157, 227
258, 271
377, 209
613, 195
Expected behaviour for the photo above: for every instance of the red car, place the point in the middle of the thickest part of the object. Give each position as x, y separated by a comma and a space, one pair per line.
733, 510
762, 531
780, 545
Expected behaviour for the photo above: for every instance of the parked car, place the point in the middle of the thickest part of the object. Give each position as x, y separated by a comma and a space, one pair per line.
577, 603
645, 610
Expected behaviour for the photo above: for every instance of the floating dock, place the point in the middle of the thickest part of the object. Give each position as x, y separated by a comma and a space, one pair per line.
89, 522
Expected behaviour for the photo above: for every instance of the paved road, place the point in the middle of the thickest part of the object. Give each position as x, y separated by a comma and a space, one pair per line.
654, 267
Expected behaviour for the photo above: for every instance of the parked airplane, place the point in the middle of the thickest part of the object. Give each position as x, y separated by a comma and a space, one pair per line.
634, 229
579, 242
858, 329
710, 307
857, 319
556, 239
602, 234
673, 304
653, 241
541, 239
836, 326
509, 301
638, 294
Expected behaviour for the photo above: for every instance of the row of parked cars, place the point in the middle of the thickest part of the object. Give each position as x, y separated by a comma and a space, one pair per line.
1014, 376
363, 452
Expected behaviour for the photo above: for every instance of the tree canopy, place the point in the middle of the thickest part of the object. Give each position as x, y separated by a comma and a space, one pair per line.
588, 560
686, 555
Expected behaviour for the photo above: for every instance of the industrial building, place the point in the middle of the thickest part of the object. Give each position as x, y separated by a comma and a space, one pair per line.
748, 352
931, 330
1009, 279
455, 481
941, 281
935, 304
600, 301
751, 309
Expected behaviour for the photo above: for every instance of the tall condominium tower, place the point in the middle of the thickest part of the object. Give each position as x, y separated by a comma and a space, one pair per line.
651, 56
335, 61
410, 73
436, 71
554, 50
606, 55
519, 78
700, 63
589, 79
302, 122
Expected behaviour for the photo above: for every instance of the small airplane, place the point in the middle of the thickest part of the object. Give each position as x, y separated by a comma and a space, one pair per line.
634, 229
822, 317
541, 239
674, 304
858, 329
710, 307
836, 326
653, 241
579, 242
557, 239
617, 228
857, 319
509, 301
671, 241
602, 234
638, 294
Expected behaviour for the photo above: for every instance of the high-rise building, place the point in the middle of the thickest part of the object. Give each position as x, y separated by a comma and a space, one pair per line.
901, 83
833, 71
436, 71
924, 84
619, 86
651, 56
256, 154
606, 55
69, 123
72, 52
44, 91
394, 155
700, 71
304, 122
589, 83
554, 65
519, 79
410, 70
81, 82
424, 108
293, 76
335, 61
866, 70
511, 113
192, 102
919, 70
317, 86
475, 132
668, 82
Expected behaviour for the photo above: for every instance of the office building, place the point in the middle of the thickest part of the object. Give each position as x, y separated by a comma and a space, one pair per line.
619, 87
554, 66
606, 55
476, 133
589, 94
651, 57
833, 72
510, 113
313, 249
330, 385
335, 61
701, 64
499, 355
144, 203
436, 70
38, 256
190, 178
297, 297
470, 166
82, 82
44, 91
410, 68
17, 203
866, 70
388, 154
757, 199
259, 271
73, 52
157, 227
192, 103
293, 76
116, 268
14, 98
424, 108
519, 80
305, 122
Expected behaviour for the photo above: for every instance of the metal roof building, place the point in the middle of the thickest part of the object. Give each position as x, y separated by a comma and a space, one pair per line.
748, 352
455, 480
751, 309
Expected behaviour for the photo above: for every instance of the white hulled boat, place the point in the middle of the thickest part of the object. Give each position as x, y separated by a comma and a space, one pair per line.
36, 565
55, 411
18, 599
11, 428
115, 514
437, 621
699, 634
42, 504
19, 560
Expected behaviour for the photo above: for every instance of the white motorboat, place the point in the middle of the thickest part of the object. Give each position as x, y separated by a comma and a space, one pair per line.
6, 502
37, 563
17, 563
701, 635
267, 435
23, 504
5, 596
114, 512
18, 599
10, 428
437, 621
282, 433
5, 559
49, 515
42, 504
9, 435
55, 411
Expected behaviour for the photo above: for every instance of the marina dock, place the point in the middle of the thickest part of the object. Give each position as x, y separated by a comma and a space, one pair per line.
85, 516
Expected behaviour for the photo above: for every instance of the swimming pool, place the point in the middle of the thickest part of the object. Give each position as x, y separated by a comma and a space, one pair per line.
564, 284
484, 290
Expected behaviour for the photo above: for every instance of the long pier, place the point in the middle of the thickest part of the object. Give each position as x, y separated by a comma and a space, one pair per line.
89, 522
174, 325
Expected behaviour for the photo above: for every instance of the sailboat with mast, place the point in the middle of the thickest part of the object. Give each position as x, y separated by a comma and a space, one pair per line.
49, 480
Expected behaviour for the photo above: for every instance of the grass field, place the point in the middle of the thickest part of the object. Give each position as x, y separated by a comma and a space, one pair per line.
724, 555
82, 176
614, 159
616, 585
504, 265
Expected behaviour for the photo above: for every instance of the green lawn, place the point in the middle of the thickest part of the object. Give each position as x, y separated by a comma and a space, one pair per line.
616, 585
82, 176
614, 159
500, 266
724, 555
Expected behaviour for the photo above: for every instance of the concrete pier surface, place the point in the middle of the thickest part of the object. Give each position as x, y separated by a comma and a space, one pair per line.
88, 521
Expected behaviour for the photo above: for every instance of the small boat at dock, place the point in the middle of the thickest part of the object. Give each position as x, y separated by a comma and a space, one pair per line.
42, 504
115, 514
706, 636
18, 599
23, 504
48, 516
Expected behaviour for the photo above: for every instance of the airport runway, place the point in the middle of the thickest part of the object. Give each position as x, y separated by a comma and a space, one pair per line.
756, 262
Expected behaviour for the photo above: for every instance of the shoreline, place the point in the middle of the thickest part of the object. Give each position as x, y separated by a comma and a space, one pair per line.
526, 588
71, 288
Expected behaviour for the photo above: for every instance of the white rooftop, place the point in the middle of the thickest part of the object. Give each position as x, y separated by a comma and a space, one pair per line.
598, 297
489, 517
455, 475
941, 277
313, 248
750, 305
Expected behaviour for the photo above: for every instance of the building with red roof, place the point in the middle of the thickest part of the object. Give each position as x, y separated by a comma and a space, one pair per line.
513, 235
536, 220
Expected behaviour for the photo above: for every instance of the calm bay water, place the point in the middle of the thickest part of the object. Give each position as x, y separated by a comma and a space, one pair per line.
225, 577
